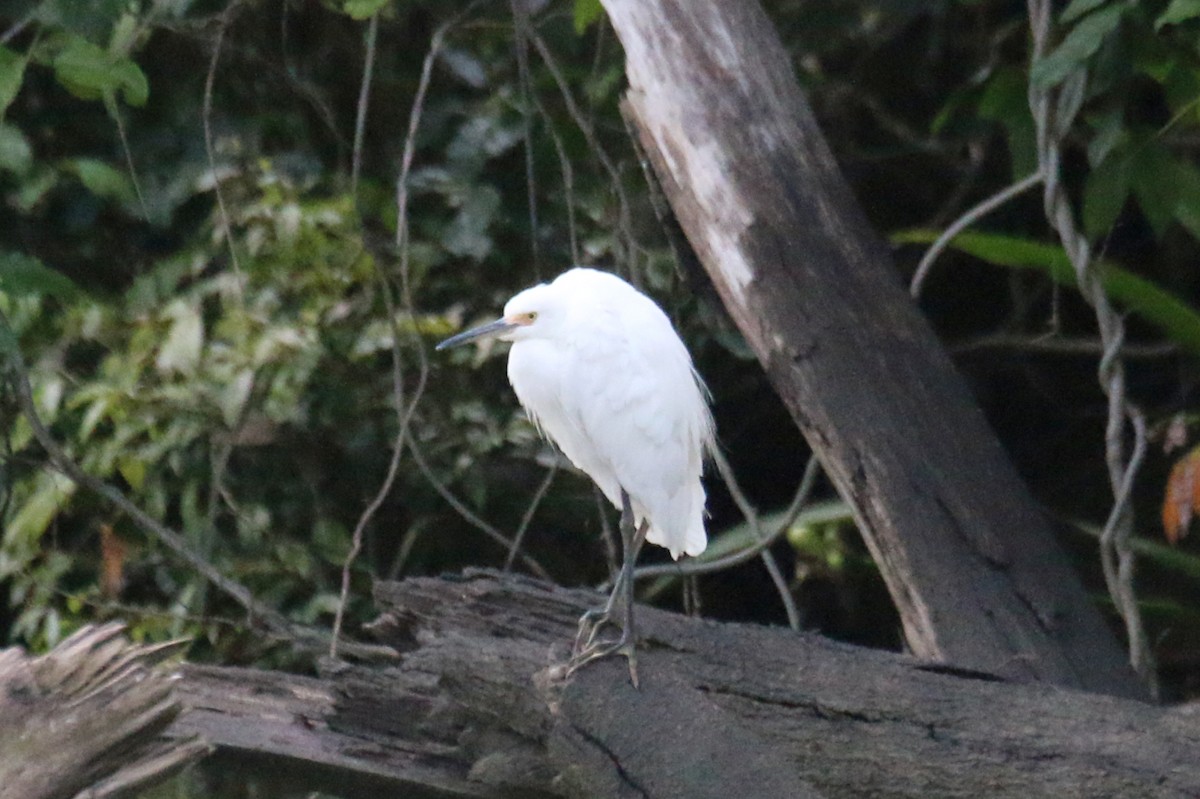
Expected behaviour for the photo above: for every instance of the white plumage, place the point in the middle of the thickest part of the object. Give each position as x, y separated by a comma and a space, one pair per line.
602, 373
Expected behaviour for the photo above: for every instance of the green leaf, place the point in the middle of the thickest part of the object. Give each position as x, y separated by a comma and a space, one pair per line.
91, 73
16, 156
132, 82
1187, 208
1154, 177
468, 233
12, 73
103, 180
34, 516
1168, 313
232, 398
180, 352
95, 414
1178, 11
1078, 8
21, 274
363, 9
585, 13
1005, 100
83, 68
123, 37
133, 469
1080, 44
34, 188
1105, 193
1109, 132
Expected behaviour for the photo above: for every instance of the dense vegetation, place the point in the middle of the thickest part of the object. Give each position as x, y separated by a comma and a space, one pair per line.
202, 265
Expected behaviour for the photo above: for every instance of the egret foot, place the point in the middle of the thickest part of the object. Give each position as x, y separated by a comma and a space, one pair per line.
596, 619
625, 645
590, 625
587, 646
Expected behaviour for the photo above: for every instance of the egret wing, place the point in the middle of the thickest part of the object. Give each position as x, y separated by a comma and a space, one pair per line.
636, 398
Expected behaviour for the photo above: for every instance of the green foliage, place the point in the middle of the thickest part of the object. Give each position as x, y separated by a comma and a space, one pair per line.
1005, 100
92, 73
1179, 11
12, 72
586, 13
231, 368
363, 9
22, 275
1114, 53
1179, 322
237, 383
1084, 40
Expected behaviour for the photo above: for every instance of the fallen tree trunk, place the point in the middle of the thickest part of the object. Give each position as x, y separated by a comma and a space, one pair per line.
969, 558
85, 720
474, 708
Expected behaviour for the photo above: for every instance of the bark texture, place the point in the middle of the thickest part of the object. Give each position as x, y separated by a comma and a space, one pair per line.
86, 719
968, 556
475, 708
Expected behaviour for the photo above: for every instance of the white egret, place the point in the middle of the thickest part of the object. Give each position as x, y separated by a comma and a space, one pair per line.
602, 373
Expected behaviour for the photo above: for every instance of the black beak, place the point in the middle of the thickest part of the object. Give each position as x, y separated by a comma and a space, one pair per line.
496, 328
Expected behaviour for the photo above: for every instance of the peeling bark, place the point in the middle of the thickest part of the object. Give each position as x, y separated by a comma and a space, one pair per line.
85, 720
475, 708
969, 558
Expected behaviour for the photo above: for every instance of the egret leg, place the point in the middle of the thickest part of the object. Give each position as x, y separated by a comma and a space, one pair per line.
587, 645
596, 619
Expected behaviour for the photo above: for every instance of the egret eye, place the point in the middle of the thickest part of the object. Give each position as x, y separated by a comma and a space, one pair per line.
532, 316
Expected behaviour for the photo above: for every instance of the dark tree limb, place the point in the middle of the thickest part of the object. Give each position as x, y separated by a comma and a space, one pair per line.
85, 720
969, 558
475, 708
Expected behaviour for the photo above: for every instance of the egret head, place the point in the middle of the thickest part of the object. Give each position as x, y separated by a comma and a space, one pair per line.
532, 313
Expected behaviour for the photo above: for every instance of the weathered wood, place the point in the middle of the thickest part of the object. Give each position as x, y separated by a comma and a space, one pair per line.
968, 556
475, 709
85, 720
290, 727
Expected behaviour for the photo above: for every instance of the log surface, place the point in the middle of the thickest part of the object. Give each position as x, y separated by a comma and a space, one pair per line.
85, 720
475, 708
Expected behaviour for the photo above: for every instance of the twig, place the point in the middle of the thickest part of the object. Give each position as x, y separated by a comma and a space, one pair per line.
404, 410
356, 539
538, 496
1116, 554
210, 150
410, 140
401, 244
692, 601
1059, 345
520, 13
892, 123
625, 222
462, 510
364, 99
286, 74
568, 176
16, 28
738, 558
6, 457
115, 110
750, 513
966, 220
949, 208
